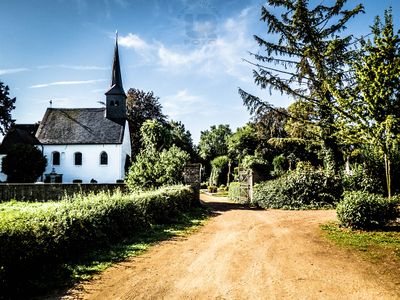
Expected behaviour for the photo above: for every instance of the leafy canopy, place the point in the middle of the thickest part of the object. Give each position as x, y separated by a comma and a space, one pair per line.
213, 142
156, 165
141, 106
370, 102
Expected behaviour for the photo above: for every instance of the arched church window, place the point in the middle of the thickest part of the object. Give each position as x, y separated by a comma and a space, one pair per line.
56, 158
78, 158
111, 103
116, 103
103, 158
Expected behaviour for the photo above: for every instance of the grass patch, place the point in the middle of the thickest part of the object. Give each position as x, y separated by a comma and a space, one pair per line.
98, 260
220, 194
377, 246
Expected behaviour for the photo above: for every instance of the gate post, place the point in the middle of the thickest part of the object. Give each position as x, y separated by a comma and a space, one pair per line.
192, 177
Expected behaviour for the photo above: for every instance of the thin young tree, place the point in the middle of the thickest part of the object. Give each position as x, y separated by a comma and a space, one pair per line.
309, 49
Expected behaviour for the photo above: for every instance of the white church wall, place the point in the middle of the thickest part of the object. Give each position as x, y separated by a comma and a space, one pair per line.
126, 149
3, 177
91, 167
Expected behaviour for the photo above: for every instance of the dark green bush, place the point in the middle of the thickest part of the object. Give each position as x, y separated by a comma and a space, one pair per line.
212, 189
304, 188
364, 210
203, 185
36, 236
362, 179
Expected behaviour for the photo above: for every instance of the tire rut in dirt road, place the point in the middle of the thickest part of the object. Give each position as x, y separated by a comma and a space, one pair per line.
245, 254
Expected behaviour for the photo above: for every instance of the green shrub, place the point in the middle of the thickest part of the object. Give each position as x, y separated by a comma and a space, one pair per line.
362, 179
280, 165
35, 237
203, 185
212, 189
259, 166
365, 210
304, 188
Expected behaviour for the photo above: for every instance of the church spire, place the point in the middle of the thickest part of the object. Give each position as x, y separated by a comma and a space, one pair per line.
116, 69
115, 96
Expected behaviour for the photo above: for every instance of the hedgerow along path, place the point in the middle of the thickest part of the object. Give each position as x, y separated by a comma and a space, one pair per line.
246, 253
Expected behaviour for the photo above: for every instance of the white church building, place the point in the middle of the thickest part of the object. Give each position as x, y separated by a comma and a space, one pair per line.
88, 144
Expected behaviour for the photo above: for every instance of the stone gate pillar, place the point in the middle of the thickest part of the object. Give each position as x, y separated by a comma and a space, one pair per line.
192, 177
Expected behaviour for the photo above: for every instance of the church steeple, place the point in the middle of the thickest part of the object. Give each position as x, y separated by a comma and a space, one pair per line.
116, 69
115, 96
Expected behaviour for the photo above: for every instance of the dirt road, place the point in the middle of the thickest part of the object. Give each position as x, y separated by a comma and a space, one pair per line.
246, 254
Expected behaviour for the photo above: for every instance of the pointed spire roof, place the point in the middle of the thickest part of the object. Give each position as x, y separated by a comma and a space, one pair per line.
116, 80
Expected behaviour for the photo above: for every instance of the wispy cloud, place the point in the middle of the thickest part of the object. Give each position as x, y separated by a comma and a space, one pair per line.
73, 67
220, 55
12, 71
68, 82
184, 104
133, 41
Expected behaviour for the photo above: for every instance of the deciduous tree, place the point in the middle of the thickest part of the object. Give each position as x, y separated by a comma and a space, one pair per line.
24, 164
371, 102
141, 106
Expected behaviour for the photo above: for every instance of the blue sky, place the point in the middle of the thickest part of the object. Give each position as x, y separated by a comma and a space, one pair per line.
189, 53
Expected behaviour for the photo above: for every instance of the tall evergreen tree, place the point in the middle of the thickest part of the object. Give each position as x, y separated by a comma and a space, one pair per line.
371, 102
6, 106
307, 53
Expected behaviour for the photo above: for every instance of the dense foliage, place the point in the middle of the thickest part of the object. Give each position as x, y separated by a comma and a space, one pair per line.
213, 142
307, 52
243, 142
362, 179
156, 165
6, 106
24, 163
304, 188
219, 170
141, 106
365, 210
153, 168
38, 236
370, 103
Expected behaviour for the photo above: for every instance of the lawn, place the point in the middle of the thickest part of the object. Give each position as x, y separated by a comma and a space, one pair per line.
376, 246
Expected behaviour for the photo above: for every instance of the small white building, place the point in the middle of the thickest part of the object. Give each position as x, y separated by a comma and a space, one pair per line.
88, 144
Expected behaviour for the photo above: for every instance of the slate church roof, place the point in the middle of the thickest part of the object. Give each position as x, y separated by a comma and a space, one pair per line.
61, 126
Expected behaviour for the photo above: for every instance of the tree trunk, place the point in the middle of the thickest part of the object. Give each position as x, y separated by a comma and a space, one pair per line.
387, 175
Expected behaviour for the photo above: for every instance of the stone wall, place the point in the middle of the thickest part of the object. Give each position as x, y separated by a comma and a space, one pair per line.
51, 191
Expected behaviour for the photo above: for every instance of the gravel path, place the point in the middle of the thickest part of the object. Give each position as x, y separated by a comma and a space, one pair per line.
246, 254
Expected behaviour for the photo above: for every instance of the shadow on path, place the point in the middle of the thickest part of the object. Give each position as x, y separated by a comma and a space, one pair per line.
223, 204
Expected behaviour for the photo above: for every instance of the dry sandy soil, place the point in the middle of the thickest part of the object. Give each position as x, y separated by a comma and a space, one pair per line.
245, 253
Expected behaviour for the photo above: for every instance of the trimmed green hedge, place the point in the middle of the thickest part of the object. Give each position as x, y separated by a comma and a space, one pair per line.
304, 188
36, 236
364, 210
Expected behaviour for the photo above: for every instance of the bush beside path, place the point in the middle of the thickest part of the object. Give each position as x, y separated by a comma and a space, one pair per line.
246, 253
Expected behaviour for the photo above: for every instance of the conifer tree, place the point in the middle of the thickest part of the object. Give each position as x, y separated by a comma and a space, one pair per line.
308, 51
